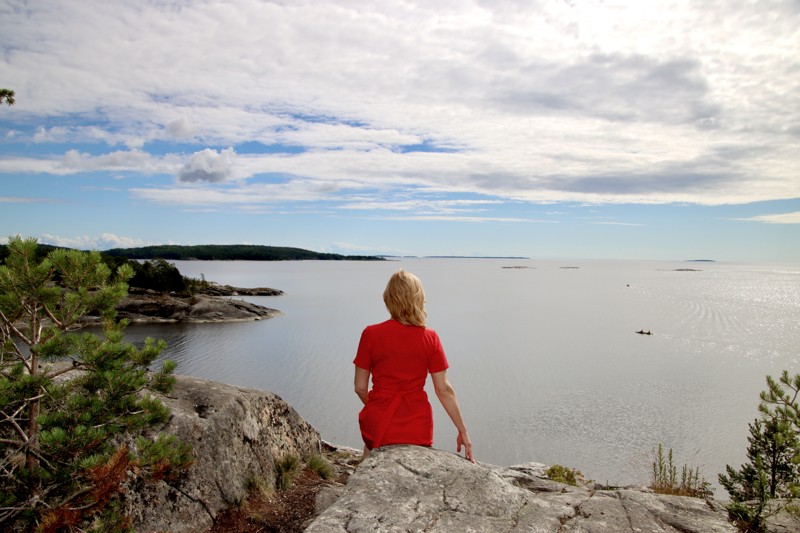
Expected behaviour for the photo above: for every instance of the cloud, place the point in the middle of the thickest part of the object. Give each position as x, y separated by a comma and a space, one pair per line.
118, 160
778, 218
617, 223
466, 218
615, 87
430, 205
209, 165
181, 128
85, 134
18, 200
103, 241
605, 102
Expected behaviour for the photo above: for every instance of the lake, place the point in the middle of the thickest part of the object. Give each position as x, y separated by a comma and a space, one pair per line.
544, 355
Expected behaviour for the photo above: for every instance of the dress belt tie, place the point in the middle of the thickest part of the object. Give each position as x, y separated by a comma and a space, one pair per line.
390, 412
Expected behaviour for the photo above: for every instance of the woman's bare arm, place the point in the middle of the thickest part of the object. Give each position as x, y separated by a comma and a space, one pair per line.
447, 396
362, 384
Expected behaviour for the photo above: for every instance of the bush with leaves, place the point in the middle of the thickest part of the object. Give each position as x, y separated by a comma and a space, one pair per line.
773, 470
62, 461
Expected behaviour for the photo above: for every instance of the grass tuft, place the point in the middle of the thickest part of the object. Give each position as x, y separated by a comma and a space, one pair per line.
321, 466
287, 469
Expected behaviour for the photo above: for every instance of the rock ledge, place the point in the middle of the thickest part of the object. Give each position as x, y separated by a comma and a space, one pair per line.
415, 489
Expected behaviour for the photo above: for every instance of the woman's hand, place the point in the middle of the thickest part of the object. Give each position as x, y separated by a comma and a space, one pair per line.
463, 440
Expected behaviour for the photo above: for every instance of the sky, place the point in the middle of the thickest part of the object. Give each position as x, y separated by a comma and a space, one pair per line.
664, 130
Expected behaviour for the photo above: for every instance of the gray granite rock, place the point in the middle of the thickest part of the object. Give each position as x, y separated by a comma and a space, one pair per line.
142, 306
237, 435
410, 489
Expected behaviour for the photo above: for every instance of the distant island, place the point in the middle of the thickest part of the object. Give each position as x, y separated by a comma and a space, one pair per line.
473, 257
231, 252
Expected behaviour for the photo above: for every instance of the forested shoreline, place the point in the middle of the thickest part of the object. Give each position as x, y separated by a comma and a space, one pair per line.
232, 252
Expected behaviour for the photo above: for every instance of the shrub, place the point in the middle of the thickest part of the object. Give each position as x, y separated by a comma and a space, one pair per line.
563, 474
665, 478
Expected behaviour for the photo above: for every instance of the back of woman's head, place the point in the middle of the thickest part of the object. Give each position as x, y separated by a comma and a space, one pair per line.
405, 298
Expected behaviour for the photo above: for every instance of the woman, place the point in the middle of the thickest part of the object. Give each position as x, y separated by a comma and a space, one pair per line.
399, 354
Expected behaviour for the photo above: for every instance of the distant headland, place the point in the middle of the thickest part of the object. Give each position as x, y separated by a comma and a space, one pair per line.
231, 252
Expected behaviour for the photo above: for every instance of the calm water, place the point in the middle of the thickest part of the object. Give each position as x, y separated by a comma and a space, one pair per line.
545, 359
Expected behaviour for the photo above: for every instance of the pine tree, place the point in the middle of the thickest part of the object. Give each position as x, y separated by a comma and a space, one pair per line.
772, 446
773, 470
68, 398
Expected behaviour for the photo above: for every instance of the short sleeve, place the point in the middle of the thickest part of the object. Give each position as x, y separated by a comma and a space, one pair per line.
364, 354
437, 362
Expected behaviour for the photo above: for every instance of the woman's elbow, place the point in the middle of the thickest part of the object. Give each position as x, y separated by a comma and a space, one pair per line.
444, 391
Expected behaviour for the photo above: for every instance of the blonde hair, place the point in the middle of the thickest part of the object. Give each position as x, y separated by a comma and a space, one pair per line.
405, 298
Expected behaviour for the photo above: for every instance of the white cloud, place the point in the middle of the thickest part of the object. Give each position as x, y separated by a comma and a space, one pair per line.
778, 218
104, 241
209, 165
85, 134
347, 248
602, 102
121, 160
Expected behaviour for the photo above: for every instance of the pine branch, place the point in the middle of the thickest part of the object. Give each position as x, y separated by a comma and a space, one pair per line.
10, 325
75, 365
12, 419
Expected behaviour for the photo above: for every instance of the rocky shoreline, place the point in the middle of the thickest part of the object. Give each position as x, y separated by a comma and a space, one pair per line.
214, 304
239, 435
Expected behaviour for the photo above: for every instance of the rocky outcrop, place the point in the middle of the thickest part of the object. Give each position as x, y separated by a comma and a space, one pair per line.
237, 435
410, 488
142, 306
216, 289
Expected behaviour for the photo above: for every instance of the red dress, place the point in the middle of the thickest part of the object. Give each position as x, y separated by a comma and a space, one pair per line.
399, 358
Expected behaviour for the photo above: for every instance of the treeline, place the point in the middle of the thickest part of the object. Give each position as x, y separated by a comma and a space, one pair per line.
231, 252
154, 274
152, 269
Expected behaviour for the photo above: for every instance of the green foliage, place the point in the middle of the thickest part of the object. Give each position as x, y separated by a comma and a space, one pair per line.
163, 380
7, 95
773, 467
287, 469
321, 466
165, 457
562, 474
60, 461
665, 478
770, 471
158, 275
241, 252
194, 285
